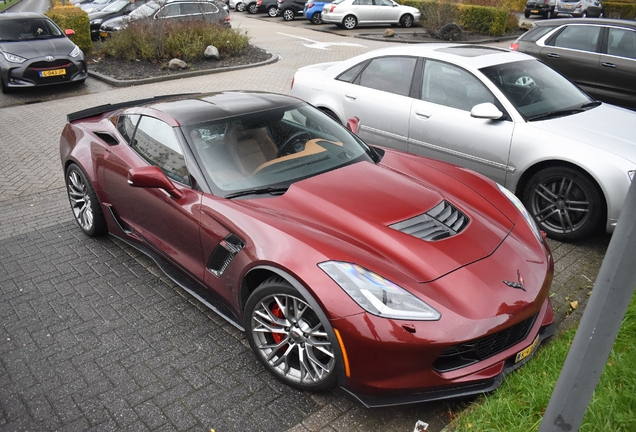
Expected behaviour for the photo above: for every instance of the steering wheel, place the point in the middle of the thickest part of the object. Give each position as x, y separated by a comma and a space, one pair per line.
533, 91
525, 81
287, 146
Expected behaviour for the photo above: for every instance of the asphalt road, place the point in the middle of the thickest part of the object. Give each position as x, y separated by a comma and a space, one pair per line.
94, 337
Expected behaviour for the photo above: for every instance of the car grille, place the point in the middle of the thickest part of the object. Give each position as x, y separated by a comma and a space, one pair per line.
442, 221
467, 353
32, 73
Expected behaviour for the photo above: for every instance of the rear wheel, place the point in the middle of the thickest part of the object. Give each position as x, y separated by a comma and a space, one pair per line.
288, 14
252, 8
565, 202
289, 337
406, 21
272, 11
84, 203
240, 7
316, 18
349, 22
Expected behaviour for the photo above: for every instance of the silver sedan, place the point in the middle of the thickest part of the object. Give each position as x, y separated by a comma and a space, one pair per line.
570, 158
351, 13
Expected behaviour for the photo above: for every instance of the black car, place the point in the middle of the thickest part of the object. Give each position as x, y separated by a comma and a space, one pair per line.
113, 10
34, 51
288, 9
261, 6
545, 8
599, 54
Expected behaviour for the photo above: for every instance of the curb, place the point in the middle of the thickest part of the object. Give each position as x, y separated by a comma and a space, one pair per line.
127, 83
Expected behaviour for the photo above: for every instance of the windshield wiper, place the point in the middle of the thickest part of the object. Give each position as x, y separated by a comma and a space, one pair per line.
272, 190
566, 112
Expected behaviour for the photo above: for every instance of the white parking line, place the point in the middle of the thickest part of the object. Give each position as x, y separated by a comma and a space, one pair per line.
322, 45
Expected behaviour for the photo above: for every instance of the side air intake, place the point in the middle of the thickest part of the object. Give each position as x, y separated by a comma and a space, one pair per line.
223, 254
442, 221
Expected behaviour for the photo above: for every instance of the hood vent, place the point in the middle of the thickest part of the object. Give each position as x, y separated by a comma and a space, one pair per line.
442, 221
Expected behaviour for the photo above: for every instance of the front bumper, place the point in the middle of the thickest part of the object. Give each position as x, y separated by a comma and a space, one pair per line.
40, 72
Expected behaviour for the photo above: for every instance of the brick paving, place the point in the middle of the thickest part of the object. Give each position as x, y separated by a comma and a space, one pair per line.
95, 337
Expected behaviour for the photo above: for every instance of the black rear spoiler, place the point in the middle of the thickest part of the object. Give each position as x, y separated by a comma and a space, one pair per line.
101, 109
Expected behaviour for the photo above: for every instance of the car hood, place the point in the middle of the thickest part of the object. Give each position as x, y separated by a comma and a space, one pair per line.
360, 212
606, 127
39, 48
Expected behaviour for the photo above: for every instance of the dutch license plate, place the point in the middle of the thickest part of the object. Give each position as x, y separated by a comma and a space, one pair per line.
53, 72
535, 11
567, 6
103, 34
526, 352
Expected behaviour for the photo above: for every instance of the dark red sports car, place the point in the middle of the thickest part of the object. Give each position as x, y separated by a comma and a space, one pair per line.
398, 278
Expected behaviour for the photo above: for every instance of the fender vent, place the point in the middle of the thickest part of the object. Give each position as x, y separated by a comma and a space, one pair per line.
223, 254
442, 221
107, 138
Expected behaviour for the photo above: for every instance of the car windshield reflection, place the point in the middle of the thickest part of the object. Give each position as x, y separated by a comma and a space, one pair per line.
535, 89
268, 151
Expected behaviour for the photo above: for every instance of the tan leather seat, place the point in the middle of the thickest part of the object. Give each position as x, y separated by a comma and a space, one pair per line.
250, 148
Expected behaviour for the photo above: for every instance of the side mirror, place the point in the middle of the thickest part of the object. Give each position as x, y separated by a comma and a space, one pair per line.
486, 111
69, 32
152, 177
353, 124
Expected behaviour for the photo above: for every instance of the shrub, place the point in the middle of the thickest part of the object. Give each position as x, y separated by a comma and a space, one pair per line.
156, 40
482, 19
618, 9
71, 17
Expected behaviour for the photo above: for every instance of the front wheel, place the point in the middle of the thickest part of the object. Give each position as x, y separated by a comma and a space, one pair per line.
565, 202
272, 11
316, 18
252, 8
289, 338
240, 7
288, 14
349, 22
406, 21
84, 203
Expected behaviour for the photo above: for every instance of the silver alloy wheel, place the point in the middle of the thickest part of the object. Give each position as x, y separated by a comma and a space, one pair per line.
288, 14
252, 8
406, 21
272, 11
290, 338
316, 18
79, 196
349, 22
240, 7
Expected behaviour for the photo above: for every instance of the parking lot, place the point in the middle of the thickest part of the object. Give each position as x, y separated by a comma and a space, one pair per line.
95, 337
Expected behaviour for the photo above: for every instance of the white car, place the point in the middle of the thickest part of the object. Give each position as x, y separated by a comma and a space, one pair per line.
351, 13
504, 114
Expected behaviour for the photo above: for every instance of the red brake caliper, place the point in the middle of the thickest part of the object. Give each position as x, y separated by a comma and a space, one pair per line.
278, 314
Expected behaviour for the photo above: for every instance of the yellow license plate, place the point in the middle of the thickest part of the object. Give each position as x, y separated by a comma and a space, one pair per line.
103, 34
535, 11
53, 72
568, 6
526, 352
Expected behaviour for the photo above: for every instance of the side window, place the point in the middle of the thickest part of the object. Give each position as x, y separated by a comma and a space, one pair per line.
195, 8
169, 11
622, 43
126, 126
390, 74
578, 37
157, 143
351, 74
383, 3
451, 86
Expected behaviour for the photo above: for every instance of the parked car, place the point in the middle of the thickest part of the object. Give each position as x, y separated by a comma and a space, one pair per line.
177, 10
570, 158
580, 8
313, 11
545, 8
95, 5
288, 9
599, 55
398, 278
351, 13
113, 10
36, 52
237, 5
262, 6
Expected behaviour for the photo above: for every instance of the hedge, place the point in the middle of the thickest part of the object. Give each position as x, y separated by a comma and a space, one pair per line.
71, 17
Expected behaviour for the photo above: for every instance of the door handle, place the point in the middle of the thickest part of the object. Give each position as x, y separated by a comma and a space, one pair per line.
552, 55
609, 65
422, 114
351, 97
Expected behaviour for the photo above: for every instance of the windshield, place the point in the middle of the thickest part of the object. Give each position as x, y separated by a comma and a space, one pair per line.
272, 149
144, 11
116, 6
28, 28
536, 90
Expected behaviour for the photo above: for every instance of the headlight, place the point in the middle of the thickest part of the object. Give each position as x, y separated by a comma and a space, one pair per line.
13, 58
97, 21
76, 51
377, 295
517, 203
